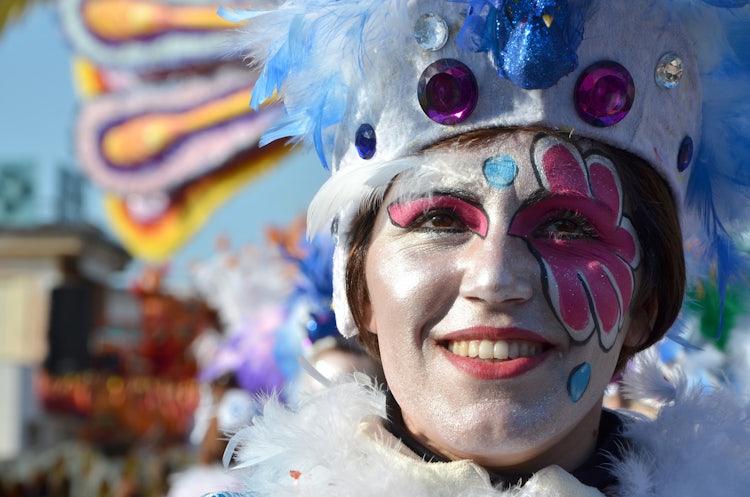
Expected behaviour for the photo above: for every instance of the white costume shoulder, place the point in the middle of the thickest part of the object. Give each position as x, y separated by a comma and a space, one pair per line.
333, 444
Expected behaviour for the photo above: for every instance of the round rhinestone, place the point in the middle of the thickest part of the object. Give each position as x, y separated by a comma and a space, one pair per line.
669, 71
365, 141
431, 32
685, 155
604, 94
447, 91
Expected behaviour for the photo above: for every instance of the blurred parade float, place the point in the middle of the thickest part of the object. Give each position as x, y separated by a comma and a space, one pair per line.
168, 399
164, 129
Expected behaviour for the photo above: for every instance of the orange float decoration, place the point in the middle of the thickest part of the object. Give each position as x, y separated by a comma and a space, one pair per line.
165, 128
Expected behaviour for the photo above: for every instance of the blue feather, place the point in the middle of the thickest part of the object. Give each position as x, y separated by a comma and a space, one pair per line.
290, 126
272, 76
314, 286
677, 334
237, 15
296, 63
298, 43
731, 4
477, 33
720, 181
318, 142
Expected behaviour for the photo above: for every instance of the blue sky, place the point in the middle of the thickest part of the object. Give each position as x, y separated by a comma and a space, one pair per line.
38, 107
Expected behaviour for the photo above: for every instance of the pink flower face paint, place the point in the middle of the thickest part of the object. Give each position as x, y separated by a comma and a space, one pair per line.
439, 211
588, 251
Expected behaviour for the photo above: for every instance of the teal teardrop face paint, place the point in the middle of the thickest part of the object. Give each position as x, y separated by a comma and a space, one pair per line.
578, 381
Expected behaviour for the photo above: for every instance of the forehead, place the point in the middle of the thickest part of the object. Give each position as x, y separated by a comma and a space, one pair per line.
484, 164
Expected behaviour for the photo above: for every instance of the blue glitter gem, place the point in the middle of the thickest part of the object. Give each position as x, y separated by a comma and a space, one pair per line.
685, 155
579, 381
538, 49
365, 141
533, 43
500, 171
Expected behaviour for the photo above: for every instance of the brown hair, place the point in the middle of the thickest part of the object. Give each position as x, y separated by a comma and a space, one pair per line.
654, 215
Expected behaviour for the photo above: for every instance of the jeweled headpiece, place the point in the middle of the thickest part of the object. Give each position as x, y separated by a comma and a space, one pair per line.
369, 83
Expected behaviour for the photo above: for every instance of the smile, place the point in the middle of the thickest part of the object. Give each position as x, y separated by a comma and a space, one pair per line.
500, 350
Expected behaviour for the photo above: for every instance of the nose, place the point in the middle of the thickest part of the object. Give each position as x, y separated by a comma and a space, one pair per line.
498, 269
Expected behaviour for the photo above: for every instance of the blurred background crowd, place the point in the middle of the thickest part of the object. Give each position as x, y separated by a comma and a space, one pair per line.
154, 273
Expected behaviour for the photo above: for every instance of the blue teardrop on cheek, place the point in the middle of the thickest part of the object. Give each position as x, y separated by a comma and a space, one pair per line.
578, 381
500, 171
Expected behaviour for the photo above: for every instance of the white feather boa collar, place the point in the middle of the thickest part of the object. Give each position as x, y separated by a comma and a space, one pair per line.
332, 445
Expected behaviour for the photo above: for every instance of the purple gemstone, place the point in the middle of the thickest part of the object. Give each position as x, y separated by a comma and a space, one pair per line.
448, 91
685, 155
365, 141
604, 94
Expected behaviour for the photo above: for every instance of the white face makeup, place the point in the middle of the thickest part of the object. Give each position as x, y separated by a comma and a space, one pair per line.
500, 292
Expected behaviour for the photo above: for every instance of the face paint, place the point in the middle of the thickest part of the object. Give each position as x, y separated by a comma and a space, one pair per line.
587, 249
459, 271
500, 171
432, 211
578, 381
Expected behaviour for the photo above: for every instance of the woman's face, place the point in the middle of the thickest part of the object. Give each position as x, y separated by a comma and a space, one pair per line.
500, 280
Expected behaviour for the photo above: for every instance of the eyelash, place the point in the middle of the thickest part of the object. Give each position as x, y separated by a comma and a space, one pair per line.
418, 223
582, 224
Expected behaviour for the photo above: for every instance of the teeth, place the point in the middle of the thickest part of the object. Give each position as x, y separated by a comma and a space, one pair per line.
462, 348
486, 349
474, 348
498, 350
514, 350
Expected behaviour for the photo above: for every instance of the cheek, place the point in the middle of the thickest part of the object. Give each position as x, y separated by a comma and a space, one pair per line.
591, 285
589, 282
405, 289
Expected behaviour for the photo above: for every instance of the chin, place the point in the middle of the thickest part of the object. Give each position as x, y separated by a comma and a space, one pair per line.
487, 440
506, 439
506, 455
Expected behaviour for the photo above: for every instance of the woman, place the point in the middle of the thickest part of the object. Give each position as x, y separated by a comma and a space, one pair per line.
510, 179
535, 287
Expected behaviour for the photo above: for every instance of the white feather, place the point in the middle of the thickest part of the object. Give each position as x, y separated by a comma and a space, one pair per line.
696, 446
351, 188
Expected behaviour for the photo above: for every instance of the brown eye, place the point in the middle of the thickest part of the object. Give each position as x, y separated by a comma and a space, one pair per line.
441, 221
566, 226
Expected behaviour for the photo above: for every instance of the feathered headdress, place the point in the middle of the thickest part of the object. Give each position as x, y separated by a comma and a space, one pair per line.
370, 83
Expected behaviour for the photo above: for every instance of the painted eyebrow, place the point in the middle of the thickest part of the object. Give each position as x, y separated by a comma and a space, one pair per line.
403, 212
592, 210
543, 194
536, 197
